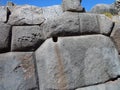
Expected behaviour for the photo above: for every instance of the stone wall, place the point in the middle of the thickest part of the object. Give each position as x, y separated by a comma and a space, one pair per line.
58, 48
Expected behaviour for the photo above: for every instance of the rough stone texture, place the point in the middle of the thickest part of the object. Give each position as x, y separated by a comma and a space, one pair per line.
106, 24
26, 38
112, 85
72, 24
65, 25
17, 71
52, 11
116, 18
4, 37
103, 8
89, 24
72, 5
116, 36
3, 13
26, 15
73, 62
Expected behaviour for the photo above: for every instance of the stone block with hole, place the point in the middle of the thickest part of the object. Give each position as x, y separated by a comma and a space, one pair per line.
74, 62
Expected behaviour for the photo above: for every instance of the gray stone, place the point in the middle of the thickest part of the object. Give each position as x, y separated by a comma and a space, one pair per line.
89, 24
51, 12
26, 15
111, 85
26, 38
103, 8
4, 37
106, 24
65, 25
74, 62
73, 24
17, 71
72, 5
3, 13
116, 36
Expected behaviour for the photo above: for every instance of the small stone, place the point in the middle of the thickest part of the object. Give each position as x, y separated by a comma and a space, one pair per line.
72, 5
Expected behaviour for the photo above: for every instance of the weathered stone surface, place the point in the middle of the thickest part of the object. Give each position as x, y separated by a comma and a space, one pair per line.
103, 8
3, 14
52, 11
4, 37
116, 36
65, 25
73, 62
112, 85
26, 15
26, 38
72, 24
72, 5
106, 24
89, 24
116, 18
17, 71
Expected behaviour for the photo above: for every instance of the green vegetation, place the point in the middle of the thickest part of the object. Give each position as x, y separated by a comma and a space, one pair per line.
108, 14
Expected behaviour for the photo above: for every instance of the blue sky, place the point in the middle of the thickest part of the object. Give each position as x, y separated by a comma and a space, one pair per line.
88, 4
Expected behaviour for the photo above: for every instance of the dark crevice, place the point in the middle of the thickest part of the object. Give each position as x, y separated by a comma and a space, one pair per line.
10, 38
112, 79
8, 14
112, 28
55, 39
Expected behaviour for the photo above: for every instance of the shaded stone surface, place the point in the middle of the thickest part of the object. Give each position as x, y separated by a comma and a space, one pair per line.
111, 85
116, 38
26, 38
17, 71
3, 13
72, 5
51, 12
74, 62
4, 37
26, 14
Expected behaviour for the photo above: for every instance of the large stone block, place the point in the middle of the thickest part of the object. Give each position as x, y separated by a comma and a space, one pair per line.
3, 13
74, 62
26, 15
65, 25
26, 38
51, 12
17, 71
73, 24
111, 85
72, 5
4, 37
